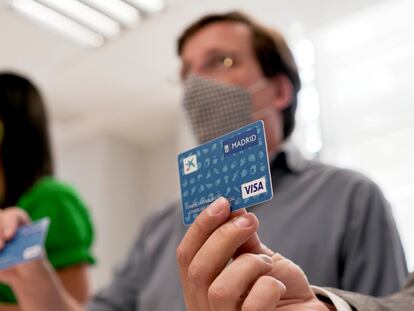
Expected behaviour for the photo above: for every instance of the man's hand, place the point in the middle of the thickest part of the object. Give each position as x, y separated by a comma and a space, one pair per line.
224, 266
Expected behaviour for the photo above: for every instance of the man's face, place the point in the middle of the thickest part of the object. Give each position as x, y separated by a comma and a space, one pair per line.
223, 51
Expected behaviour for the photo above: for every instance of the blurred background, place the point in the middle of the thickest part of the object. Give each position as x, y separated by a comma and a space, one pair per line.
113, 96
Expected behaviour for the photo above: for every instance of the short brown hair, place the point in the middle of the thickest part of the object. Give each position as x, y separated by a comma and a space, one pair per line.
272, 53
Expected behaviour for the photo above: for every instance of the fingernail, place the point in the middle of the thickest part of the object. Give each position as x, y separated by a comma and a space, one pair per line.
266, 258
216, 207
242, 221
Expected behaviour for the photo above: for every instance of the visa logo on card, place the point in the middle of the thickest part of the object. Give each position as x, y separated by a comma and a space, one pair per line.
253, 188
235, 166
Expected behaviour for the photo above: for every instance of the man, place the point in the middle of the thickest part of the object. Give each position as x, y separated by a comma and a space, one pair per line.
332, 222
321, 209
256, 278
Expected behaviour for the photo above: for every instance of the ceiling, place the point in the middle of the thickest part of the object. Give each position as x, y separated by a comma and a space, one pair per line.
128, 87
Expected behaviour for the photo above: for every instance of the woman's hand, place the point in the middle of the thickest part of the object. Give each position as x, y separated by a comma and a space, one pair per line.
11, 219
35, 283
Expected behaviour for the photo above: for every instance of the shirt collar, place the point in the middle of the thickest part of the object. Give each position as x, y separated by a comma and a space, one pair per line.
290, 157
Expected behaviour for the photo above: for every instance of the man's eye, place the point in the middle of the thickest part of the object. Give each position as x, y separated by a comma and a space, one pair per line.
223, 60
216, 61
228, 61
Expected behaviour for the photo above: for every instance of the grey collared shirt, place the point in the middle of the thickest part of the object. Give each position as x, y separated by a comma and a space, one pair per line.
334, 223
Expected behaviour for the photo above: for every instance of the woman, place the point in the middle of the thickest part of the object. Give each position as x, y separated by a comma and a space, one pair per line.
26, 181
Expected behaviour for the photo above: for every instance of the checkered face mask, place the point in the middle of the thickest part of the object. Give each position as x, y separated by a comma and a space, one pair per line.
215, 108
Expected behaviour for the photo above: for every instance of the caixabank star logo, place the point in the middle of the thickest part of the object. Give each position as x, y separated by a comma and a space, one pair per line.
190, 164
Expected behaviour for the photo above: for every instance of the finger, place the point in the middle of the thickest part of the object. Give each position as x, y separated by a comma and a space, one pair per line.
238, 213
226, 291
219, 248
209, 220
12, 220
264, 295
212, 217
255, 246
204, 225
292, 276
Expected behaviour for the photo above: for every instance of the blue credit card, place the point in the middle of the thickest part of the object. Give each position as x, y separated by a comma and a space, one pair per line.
235, 166
26, 245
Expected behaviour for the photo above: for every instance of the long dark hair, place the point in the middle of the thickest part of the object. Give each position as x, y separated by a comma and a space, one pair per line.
25, 149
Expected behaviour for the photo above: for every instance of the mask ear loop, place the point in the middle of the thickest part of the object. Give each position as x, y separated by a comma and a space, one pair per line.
258, 86
253, 89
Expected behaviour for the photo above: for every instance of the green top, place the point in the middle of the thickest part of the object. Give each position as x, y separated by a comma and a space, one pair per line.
70, 233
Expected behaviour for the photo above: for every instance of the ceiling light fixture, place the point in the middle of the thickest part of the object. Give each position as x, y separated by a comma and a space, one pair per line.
149, 6
58, 22
89, 22
117, 9
85, 15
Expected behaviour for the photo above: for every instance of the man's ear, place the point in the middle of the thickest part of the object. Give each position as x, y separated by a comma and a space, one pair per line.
283, 89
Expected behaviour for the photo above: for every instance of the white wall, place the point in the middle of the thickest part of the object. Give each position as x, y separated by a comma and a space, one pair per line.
161, 174
110, 175
365, 64
121, 183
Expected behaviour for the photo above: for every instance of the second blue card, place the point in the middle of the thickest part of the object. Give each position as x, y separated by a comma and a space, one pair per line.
26, 245
235, 166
